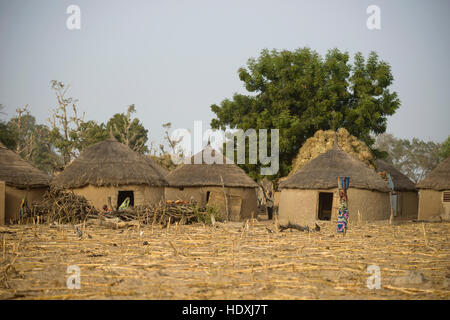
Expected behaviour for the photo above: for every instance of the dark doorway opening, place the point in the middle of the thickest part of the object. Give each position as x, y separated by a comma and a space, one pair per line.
123, 195
207, 196
325, 205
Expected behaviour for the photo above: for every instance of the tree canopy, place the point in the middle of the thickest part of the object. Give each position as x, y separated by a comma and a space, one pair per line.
30, 140
52, 146
415, 158
129, 131
444, 152
300, 92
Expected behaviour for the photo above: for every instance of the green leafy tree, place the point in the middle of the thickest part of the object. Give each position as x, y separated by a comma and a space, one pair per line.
87, 134
32, 141
128, 130
43, 154
6, 135
299, 92
444, 152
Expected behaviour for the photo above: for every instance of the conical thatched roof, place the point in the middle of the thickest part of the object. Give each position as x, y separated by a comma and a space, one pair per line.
198, 175
401, 182
110, 163
438, 179
17, 172
163, 171
322, 173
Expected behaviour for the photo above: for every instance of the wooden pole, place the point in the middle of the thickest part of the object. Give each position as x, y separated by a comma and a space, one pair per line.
226, 200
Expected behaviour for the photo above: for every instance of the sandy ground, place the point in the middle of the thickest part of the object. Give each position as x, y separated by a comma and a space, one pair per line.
228, 261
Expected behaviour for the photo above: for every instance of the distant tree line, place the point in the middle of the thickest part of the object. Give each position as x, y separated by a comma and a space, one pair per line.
297, 92
52, 146
415, 158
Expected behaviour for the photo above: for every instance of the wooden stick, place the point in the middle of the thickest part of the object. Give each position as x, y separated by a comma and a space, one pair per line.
226, 200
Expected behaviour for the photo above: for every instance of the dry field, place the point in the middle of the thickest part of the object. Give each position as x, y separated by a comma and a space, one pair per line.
228, 261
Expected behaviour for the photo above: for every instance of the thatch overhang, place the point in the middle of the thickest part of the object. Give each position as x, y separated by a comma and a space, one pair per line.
19, 173
204, 174
110, 163
438, 179
322, 173
401, 181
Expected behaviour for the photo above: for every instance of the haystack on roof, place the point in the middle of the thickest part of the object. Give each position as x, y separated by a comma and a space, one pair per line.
438, 179
322, 141
322, 173
110, 163
199, 175
401, 181
17, 172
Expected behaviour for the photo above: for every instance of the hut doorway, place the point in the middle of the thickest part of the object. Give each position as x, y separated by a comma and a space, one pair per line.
123, 195
325, 205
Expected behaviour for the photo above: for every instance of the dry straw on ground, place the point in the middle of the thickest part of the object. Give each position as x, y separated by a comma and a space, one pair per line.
250, 260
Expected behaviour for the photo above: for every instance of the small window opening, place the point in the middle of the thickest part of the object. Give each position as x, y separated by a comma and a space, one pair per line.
123, 195
207, 196
446, 196
325, 205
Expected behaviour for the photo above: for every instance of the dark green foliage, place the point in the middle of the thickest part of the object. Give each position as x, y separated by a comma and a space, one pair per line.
129, 131
444, 152
32, 143
300, 92
88, 133
205, 216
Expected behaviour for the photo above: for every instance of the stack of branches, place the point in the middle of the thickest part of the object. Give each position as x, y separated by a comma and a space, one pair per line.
167, 212
63, 207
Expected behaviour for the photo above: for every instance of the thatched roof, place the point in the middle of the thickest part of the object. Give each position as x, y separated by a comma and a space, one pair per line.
438, 179
163, 171
17, 172
110, 163
199, 175
401, 181
322, 173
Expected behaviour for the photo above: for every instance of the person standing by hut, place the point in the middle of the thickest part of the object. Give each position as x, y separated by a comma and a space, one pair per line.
269, 205
342, 218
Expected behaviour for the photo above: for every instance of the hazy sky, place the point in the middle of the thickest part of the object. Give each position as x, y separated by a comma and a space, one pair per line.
173, 59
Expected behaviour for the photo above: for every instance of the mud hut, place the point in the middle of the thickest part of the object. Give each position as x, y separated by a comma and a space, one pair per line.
109, 172
18, 180
405, 198
311, 193
434, 193
220, 184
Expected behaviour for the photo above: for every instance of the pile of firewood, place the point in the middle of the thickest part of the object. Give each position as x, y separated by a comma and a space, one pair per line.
163, 213
63, 207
